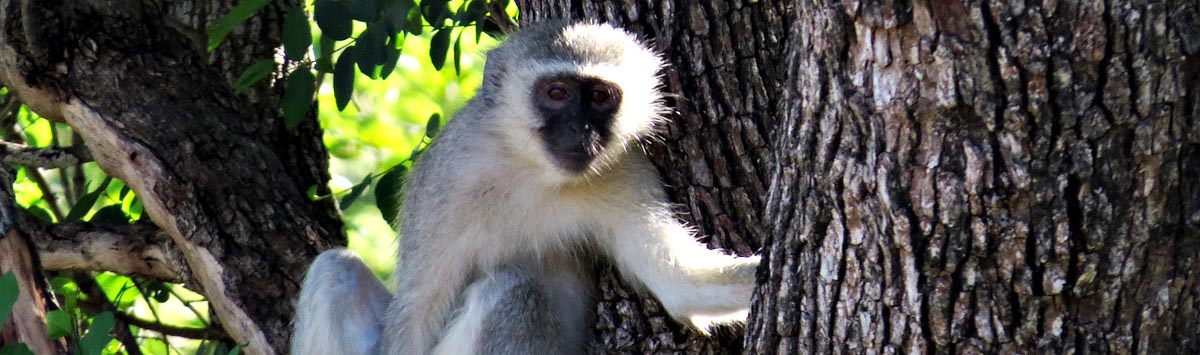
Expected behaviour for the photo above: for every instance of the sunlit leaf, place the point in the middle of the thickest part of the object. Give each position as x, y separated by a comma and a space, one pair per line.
219, 29
298, 95
98, 334
387, 193
438, 46
58, 322
297, 35
333, 19
343, 78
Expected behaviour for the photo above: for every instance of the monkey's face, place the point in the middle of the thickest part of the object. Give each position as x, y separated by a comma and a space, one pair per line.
578, 115
573, 99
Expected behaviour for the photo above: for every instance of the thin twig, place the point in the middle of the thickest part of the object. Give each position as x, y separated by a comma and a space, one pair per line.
47, 193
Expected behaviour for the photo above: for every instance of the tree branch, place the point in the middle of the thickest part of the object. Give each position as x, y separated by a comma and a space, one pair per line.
50, 157
28, 321
209, 333
139, 249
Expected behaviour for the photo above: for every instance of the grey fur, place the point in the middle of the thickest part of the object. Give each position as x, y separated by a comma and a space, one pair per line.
499, 240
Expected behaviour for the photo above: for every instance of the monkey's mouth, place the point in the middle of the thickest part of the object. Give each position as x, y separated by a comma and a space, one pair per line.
574, 160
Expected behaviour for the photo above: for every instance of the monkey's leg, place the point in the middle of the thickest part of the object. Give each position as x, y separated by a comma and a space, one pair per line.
340, 307
520, 312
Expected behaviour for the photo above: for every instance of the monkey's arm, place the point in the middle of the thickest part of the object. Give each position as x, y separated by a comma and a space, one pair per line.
695, 283
340, 307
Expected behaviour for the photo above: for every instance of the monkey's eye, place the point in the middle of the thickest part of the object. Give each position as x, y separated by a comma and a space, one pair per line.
556, 93
601, 95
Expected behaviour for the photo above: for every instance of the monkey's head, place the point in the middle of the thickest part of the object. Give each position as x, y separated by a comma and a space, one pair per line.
572, 98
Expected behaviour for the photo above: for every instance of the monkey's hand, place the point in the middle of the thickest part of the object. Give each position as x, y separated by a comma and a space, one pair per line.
694, 283
340, 307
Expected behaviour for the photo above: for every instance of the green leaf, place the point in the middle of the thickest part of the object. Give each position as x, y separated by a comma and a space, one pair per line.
219, 29
8, 294
438, 46
433, 125
158, 290
363, 10
16, 349
435, 12
235, 350
297, 36
257, 71
413, 24
58, 322
86, 202
393, 55
325, 54
98, 334
356, 192
298, 96
334, 19
370, 50
491, 28
110, 213
40, 213
397, 15
458, 54
388, 195
475, 12
343, 78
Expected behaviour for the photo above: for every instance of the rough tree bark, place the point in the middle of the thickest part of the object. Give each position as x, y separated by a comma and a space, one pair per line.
220, 174
986, 177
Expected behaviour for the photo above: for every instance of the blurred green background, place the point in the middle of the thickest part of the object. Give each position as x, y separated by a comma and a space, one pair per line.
381, 127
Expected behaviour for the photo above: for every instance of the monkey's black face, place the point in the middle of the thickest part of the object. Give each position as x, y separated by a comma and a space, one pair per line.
579, 113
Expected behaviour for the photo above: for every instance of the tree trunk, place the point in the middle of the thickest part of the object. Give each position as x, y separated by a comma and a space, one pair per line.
986, 178
220, 173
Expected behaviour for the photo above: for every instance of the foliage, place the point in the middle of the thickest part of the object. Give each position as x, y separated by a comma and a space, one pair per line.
378, 128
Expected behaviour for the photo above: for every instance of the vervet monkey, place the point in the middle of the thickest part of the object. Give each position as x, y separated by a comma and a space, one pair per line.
538, 178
